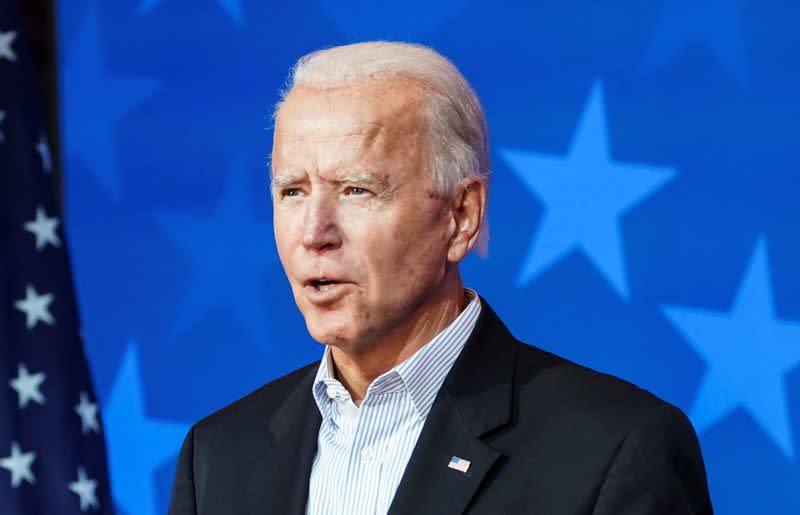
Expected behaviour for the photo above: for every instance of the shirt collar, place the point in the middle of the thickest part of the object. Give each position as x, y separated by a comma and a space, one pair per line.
421, 375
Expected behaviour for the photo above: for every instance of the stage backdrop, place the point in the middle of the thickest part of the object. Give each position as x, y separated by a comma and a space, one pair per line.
644, 211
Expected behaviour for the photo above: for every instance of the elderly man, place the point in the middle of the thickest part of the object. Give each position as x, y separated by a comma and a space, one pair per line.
423, 402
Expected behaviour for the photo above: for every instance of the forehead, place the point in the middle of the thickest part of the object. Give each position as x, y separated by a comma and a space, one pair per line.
396, 101
367, 121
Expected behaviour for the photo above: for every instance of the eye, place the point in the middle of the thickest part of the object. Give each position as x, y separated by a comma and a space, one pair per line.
355, 190
290, 192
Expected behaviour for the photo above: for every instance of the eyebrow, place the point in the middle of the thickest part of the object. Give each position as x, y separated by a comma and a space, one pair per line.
285, 180
363, 177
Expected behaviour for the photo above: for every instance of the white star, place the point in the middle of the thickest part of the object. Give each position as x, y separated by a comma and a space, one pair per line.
19, 464
88, 413
6, 38
44, 229
44, 153
27, 386
2, 117
85, 488
36, 307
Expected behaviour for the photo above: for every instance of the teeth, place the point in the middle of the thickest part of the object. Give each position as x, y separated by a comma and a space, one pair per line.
323, 287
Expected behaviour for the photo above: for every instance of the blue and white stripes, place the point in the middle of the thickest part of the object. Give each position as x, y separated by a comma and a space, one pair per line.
362, 451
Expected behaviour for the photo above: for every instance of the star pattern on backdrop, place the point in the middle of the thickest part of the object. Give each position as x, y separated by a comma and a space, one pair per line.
6, 48
2, 117
716, 24
687, 113
233, 8
585, 195
43, 149
86, 490
36, 307
748, 352
19, 464
28, 386
87, 411
44, 228
138, 443
85, 70
210, 245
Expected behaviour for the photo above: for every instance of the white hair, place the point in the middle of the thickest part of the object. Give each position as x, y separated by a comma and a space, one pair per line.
457, 136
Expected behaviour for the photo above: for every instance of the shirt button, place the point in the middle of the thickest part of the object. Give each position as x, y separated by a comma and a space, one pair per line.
367, 454
331, 391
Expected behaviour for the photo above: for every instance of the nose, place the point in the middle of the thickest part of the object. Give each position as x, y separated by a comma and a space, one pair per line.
320, 228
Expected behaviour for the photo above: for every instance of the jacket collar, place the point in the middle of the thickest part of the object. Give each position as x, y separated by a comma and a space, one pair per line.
420, 376
278, 479
474, 401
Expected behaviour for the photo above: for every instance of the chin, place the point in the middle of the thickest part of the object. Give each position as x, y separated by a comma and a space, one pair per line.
330, 330
340, 325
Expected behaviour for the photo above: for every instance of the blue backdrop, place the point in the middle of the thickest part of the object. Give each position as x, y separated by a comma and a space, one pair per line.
644, 207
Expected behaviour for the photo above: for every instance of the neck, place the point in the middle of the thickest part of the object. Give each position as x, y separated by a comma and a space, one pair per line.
357, 368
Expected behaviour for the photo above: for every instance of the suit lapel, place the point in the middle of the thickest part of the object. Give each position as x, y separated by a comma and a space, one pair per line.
475, 399
278, 480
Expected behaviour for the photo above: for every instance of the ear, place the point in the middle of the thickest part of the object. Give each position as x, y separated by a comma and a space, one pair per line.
469, 207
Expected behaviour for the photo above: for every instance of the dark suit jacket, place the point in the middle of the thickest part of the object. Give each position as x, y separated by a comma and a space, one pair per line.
543, 435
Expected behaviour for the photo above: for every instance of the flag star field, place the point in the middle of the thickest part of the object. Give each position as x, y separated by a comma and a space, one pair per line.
644, 214
52, 443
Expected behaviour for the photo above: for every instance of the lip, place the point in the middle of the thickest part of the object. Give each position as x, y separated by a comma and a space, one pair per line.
331, 294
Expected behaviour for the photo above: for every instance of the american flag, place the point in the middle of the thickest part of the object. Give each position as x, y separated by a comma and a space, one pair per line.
52, 452
459, 464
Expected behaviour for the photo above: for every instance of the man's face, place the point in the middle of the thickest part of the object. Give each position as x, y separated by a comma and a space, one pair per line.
361, 236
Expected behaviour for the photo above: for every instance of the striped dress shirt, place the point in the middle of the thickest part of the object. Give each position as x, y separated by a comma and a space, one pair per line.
362, 451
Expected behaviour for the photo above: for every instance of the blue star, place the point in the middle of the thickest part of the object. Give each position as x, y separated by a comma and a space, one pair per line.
717, 23
585, 194
748, 352
94, 100
228, 262
137, 444
233, 8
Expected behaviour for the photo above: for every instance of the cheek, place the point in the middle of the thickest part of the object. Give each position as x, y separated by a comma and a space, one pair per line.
403, 256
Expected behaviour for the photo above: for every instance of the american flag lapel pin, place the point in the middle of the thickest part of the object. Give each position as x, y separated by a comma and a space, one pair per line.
459, 464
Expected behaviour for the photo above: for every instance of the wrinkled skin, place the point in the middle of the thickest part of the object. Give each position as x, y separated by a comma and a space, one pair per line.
353, 204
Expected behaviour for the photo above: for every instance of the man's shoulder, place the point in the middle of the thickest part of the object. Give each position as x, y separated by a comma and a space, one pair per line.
565, 390
254, 409
549, 383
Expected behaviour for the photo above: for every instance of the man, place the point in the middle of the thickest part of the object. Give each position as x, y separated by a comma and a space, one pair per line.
423, 401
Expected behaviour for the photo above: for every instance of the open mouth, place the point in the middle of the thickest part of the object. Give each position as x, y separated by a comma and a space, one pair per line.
324, 291
322, 284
